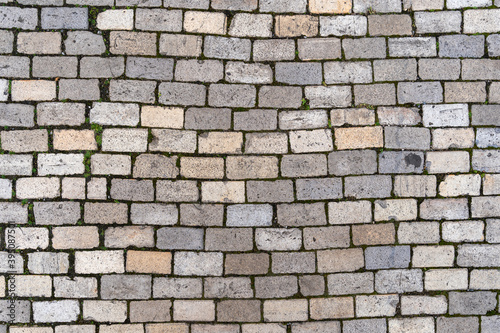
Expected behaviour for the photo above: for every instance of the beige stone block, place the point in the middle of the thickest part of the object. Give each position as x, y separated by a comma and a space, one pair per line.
194, 311
220, 143
296, 25
330, 6
149, 262
286, 310
205, 22
119, 19
359, 137
33, 90
332, 308
202, 167
446, 279
227, 192
78, 237
165, 117
74, 140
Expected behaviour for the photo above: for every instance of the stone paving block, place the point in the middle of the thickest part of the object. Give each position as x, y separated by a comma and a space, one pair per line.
54, 67
296, 26
251, 25
205, 22
181, 94
79, 287
180, 45
412, 47
33, 90
352, 25
469, 303
22, 141
84, 42
202, 167
311, 141
375, 94
274, 239
387, 257
280, 97
480, 21
364, 48
79, 90
116, 19
198, 264
221, 95
247, 264
177, 287
20, 18
56, 311
173, 191
334, 96
387, 7
281, 6
356, 117
446, 138
371, 325
6, 41
240, 72
439, 69
376, 305
195, 70
16, 115
229, 240
438, 22
417, 305
380, 234
270, 191
39, 42
340, 260
69, 237
243, 5
70, 114
392, 24
342, 212
133, 43
64, 18
465, 92
227, 48
401, 162
95, 67
37, 188
48, 263
395, 70
285, 310
326, 237
125, 140
355, 162
440, 162
407, 138
105, 311
457, 324
433, 256
360, 187
312, 285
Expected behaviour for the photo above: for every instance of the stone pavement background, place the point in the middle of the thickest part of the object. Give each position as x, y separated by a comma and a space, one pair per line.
250, 166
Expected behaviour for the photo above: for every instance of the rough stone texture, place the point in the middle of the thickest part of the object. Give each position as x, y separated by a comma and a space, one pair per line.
244, 166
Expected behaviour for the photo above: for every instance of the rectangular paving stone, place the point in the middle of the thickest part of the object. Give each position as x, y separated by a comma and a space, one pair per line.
64, 18
180, 45
296, 25
79, 90
133, 43
20, 18
412, 47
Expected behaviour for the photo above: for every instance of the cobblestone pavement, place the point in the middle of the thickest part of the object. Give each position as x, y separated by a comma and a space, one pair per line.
245, 166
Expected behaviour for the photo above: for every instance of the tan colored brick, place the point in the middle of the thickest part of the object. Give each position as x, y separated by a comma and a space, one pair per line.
220, 143
247, 263
332, 308
74, 140
194, 310
348, 260
202, 167
330, 6
205, 22
249, 167
373, 234
229, 192
286, 310
165, 117
78, 237
359, 137
296, 25
167, 328
132, 43
149, 262
123, 237
33, 90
